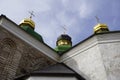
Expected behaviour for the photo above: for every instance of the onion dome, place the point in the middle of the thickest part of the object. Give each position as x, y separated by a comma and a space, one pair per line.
29, 22
100, 28
64, 39
63, 43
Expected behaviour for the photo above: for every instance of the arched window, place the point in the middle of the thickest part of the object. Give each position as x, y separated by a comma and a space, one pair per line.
7, 46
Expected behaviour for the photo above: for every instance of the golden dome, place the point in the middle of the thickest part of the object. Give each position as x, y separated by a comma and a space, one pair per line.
64, 39
100, 28
28, 21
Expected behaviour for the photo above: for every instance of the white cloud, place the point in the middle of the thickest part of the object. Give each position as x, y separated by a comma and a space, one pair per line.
85, 10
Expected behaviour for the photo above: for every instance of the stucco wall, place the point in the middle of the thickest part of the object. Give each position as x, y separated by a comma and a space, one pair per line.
97, 58
109, 46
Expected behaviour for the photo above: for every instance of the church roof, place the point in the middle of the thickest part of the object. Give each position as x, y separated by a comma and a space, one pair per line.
53, 70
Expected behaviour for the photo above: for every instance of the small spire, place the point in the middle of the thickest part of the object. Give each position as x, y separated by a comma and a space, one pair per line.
31, 14
64, 28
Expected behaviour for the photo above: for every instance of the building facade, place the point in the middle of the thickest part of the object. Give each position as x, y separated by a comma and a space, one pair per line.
25, 56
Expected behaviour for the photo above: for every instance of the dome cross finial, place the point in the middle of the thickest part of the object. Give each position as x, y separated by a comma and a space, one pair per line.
64, 28
97, 19
31, 14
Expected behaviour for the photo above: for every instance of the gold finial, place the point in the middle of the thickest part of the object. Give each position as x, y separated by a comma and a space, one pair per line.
64, 28
31, 14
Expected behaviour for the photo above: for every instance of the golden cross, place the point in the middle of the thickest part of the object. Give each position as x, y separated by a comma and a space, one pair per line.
64, 28
97, 19
31, 14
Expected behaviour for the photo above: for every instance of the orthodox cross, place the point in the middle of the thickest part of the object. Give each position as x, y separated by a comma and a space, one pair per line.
97, 19
64, 28
31, 14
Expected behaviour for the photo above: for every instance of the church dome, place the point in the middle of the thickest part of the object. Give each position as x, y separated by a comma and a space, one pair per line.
64, 39
100, 28
63, 43
28, 21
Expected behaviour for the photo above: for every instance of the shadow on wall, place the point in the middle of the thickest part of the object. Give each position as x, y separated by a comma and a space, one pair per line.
74, 67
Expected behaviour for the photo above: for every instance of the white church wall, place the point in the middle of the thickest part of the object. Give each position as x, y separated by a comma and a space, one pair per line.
88, 61
98, 58
109, 46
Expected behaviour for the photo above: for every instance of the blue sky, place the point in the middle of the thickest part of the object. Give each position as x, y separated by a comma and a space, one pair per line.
77, 15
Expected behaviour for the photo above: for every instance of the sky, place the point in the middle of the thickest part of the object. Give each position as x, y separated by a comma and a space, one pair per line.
78, 16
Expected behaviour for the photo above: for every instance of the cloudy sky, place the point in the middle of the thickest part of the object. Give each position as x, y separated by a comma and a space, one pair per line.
77, 15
